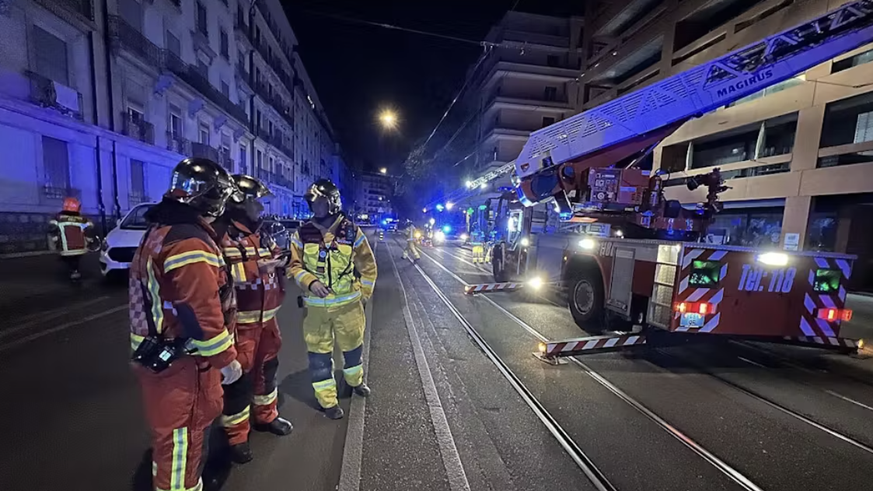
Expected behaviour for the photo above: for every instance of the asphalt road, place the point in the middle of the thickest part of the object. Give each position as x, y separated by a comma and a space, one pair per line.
443, 415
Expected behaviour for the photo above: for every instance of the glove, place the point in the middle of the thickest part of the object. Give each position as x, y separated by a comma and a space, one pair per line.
231, 373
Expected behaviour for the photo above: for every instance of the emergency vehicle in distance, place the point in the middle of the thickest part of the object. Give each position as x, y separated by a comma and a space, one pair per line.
645, 274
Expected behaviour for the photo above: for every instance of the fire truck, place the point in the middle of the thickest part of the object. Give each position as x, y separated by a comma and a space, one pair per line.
634, 263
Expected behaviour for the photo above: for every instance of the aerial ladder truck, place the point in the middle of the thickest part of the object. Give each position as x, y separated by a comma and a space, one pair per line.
644, 274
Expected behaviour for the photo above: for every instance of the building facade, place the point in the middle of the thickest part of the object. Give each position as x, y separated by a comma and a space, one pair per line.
797, 155
373, 197
99, 100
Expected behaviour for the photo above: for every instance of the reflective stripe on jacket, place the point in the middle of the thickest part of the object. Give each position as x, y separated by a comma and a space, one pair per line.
331, 257
256, 293
70, 232
179, 289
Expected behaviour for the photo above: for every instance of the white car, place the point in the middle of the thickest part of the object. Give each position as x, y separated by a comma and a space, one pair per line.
119, 246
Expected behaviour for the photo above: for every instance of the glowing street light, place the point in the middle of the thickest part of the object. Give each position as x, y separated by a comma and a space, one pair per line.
388, 119
383, 170
449, 205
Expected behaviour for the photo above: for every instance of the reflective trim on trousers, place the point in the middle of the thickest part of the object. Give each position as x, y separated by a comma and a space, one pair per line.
197, 487
253, 316
235, 419
214, 346
332, 302
265, 400
180, 458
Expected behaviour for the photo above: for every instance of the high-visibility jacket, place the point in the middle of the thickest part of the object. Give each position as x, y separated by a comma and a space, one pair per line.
410, 233
331, 256
258, 296
179, 287
70, 233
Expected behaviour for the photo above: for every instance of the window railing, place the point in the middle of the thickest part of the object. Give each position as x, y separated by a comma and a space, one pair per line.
126, 35
204, 151
138, 197
85, 8
200, 83
225, 160
44, 92
178, 144
141, 130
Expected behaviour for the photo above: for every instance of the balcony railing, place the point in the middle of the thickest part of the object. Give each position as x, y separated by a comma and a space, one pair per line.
201, 84
61, 8
50, 191
225, 160
141, 130
126, 35
48, 93
138, 197
204, 151
274, 100
178, 144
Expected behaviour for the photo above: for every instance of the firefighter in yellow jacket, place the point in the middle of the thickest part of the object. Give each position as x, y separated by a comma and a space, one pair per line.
412, 236
325, 254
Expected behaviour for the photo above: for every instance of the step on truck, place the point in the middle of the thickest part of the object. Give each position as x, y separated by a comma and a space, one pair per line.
630, 260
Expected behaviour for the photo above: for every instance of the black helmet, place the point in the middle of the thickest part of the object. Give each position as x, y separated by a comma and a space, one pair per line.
327, 189
201, 184
249, 188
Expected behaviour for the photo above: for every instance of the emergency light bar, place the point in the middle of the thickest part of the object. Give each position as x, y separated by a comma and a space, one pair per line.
834, 315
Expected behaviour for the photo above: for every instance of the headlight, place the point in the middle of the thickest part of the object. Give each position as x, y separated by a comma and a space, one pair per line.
439, 236
464, 237
525, 242
417, 235
104, 246
535, 283
587, 244
773, 259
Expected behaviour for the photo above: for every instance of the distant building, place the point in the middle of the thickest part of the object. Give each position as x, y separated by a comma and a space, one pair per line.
148, 83
374, 193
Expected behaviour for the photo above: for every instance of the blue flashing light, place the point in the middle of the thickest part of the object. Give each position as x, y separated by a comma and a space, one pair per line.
384, 222
566, 215
440, 207
447, 228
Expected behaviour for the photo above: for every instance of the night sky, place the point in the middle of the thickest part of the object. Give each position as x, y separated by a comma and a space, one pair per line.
358, 69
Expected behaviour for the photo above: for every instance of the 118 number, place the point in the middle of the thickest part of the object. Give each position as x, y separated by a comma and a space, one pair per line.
781, 280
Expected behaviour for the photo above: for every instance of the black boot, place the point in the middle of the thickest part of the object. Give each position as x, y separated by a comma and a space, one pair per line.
278, 427
362, 390
241, 453
335, 412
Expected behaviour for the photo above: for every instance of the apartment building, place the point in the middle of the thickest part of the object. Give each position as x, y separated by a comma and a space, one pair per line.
373, 196
526, 81
99, 100
797, 155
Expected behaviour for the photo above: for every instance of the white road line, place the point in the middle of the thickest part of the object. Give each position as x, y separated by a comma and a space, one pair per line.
847, 399
695, 447
448, 450
750, 362
61, 327
35, 319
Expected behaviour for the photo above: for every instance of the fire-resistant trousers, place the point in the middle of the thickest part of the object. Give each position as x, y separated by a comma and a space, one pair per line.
411, 250
180, 404
257, 351
323, 325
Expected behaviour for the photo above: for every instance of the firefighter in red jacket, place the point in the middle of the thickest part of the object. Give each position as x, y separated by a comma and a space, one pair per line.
252, 258
182, 310
70, 234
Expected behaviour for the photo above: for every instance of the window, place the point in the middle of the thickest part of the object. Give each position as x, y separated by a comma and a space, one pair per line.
201, 19
137, 181
203, 69
848, 121
225, 46
553, 60
241, 59
175, 122
243, 153
174, 45
225, 89
551, 93
854, 61
203, 133
135, 116
56, 164
131, 12
547, 121
50, 55
259, 159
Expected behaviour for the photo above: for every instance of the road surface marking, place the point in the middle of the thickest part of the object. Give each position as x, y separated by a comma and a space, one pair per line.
62, 327
750, 362
448, 450
847, 399
32, 320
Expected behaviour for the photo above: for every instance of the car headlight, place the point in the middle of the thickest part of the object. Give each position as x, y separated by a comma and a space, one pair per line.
464, 237
104, 246
525, 242
587, 244
536, 283
439, 236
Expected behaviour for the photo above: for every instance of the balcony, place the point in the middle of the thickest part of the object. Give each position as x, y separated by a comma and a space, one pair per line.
192, 77
274, 100
204, 151
225, 160
123, 34
48, 93
178, 144
141, 130
62, 8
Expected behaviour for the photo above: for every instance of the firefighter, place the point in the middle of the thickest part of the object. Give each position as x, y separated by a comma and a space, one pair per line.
182, 311
325, 252
70, 234
412, 235
252, 258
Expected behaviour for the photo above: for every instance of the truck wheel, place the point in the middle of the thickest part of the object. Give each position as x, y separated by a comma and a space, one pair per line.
498, 264
585, 298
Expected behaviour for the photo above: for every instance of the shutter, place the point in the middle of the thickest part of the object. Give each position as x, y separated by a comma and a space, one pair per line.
50, 56
131, 12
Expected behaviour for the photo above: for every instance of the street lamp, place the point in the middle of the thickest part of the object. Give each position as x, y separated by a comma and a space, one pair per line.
383, 170
449, 205
388, 119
